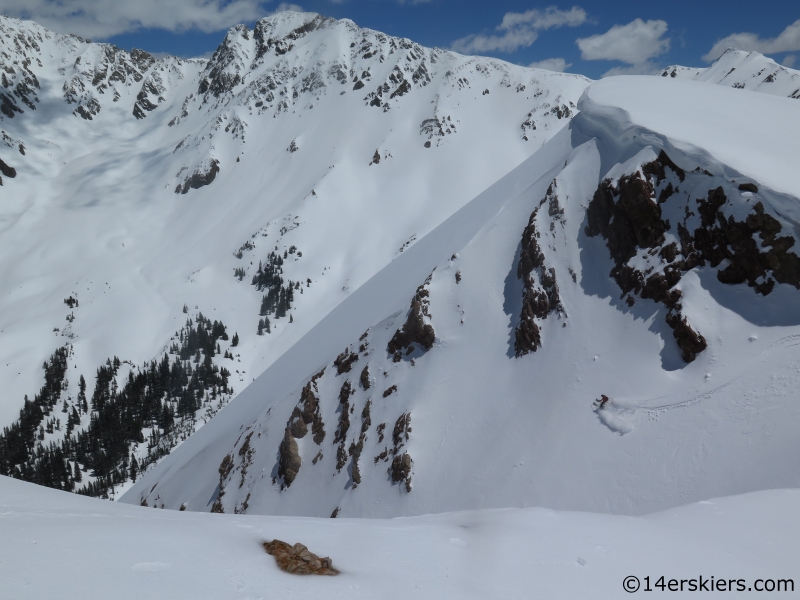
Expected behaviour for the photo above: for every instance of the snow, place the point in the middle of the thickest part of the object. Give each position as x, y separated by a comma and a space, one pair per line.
135, 552
105, 189
93, 211
745, 71
745, 133
493, 431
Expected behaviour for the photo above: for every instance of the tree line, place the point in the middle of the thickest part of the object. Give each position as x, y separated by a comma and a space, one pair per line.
159, 397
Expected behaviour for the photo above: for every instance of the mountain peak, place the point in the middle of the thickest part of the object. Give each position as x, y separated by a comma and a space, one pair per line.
743, 70
303, 157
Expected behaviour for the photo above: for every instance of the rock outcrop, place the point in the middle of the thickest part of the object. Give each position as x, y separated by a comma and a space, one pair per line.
540, 294
628, 215
202, 176
415, 330
400, 471
305, 414
289, 461
298, 560
6, 170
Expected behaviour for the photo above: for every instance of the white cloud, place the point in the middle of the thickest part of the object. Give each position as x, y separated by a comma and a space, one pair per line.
548, 18
634, 43
788, 61
508, 42
787, 41
105, 18
287, 6
520, 30
558, 65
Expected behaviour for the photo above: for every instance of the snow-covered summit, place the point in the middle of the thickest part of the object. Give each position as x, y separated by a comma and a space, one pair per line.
744, 70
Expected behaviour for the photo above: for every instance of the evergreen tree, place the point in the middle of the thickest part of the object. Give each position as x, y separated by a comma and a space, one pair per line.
166, 420
72, 420
82, 395
280, 311
122, 410
134, 468
261, 327
235, 340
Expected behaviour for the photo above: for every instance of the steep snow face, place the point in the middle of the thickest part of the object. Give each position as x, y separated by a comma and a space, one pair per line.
476, 554
744, 71
646, 254
307, 150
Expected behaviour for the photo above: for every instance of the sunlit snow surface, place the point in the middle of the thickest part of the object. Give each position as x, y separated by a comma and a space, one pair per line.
491, 430
744, 71
93, 211
56, 545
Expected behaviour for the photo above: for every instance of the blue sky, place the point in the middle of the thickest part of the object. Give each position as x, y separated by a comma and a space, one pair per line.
592, 37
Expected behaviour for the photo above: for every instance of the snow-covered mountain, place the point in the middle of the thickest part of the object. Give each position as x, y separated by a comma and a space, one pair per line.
745, 71
130, 552
138, 194
460, 283
646, 253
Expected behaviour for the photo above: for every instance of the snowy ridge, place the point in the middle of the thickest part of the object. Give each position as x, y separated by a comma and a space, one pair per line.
745, 71
458, 418
91, 76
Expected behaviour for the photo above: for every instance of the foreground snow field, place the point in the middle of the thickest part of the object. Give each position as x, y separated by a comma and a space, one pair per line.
56, 545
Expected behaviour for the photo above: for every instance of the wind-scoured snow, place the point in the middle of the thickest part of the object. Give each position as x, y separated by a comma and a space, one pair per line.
486, 426
135, 552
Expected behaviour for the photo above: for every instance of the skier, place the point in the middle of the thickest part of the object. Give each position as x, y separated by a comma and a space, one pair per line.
602, 402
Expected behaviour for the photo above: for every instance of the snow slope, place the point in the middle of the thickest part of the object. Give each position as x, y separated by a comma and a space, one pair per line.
134, 552
104, 187
142, 184
494, 407
745, 71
